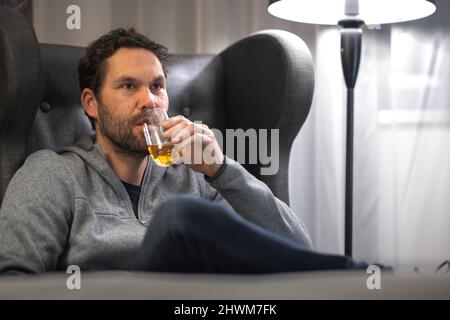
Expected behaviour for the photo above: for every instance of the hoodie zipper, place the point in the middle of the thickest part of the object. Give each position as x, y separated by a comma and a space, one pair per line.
141, 193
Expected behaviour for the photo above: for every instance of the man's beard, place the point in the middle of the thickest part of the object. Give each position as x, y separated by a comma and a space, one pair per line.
120, 132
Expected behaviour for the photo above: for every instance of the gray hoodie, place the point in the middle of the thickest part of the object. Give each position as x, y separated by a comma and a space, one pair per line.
71, 209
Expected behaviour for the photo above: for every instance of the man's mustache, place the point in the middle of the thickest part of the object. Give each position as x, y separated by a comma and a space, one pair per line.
142, 117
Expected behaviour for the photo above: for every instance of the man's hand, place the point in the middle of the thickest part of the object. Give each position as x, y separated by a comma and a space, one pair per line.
195, 143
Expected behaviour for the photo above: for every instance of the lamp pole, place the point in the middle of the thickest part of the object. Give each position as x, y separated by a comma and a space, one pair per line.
351, 38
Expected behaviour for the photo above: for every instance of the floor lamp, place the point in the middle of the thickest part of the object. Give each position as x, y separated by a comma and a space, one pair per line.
351, 16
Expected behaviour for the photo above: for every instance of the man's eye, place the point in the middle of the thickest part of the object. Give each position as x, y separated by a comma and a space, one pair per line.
157, 86
128, 86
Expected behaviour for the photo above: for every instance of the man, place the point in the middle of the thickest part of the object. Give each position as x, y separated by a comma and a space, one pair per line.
102, 204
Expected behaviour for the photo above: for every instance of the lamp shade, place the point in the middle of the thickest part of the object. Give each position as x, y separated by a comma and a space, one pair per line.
330, 12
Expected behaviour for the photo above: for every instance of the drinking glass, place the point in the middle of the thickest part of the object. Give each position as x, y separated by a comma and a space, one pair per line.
160, 148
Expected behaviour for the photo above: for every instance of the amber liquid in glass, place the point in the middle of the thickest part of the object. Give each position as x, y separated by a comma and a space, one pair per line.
162, 154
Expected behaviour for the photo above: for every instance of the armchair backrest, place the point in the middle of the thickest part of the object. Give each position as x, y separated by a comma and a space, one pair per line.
264, 81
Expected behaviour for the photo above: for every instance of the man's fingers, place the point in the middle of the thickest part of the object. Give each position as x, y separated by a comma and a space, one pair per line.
198, 139
193, 145
182, 131
180, 128
173, 121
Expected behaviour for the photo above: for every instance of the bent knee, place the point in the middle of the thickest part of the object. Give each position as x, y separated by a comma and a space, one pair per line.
184, 210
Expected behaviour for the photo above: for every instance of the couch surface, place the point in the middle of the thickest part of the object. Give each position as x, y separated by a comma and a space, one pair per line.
287, 286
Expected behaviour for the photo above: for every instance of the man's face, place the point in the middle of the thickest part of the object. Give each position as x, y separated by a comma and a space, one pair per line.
134, 83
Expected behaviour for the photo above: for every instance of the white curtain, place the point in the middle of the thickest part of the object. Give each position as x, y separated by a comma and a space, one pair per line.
402, 116
402, 146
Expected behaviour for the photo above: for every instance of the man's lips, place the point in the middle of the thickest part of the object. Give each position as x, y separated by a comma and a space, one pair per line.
144, 120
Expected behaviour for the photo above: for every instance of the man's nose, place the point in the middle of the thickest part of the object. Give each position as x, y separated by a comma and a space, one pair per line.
148, 99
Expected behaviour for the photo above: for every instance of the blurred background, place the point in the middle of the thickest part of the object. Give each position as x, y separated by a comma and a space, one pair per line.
402, 115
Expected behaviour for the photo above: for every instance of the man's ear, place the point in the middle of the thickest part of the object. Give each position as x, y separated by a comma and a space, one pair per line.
90, 103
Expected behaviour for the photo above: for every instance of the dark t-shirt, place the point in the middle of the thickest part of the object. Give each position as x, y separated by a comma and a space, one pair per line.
133, 192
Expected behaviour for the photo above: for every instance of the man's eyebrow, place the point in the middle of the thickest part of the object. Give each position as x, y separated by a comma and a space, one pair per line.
159, 78
123, 79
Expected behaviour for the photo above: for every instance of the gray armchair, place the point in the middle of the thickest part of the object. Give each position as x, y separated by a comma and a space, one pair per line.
264, 81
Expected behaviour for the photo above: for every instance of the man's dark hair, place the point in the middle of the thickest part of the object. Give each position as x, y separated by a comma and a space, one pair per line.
92, 66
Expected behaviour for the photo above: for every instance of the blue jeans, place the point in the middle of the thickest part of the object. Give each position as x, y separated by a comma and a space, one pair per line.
192, 235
